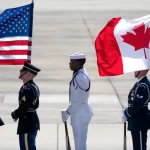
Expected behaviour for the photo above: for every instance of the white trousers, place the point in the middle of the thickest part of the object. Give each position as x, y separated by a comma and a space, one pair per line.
80, 130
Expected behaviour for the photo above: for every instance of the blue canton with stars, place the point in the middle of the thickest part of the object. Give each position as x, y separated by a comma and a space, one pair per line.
16, 21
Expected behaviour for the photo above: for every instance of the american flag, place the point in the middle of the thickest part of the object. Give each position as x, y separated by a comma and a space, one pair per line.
16, 35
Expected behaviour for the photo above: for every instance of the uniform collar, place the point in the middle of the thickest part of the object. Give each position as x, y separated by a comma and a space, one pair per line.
30, 81
141, 79
80, 70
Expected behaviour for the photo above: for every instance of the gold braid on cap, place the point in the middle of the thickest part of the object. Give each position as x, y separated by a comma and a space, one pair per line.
30, 69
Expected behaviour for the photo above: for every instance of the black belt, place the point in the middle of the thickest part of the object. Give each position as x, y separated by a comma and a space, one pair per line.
145, 105
31, 111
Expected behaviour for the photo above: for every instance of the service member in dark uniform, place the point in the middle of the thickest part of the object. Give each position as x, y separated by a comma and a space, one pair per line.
29, 93
137, 113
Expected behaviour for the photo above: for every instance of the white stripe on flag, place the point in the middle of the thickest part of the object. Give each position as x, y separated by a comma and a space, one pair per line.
16, 38
132, 59
7, 48
3, 57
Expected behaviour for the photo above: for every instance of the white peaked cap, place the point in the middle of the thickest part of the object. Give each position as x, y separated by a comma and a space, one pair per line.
78, 55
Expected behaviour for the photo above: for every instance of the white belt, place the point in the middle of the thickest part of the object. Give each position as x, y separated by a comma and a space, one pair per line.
84, 102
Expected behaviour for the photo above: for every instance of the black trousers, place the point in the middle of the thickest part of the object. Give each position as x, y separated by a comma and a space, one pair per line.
27, 141
139, 139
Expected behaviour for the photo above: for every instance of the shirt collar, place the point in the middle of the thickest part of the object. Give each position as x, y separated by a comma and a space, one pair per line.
80, 70
140, 79
30, 81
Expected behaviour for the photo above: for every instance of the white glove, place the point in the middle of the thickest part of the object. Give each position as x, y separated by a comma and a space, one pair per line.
124, 118
64, 115
123, 112
149, 106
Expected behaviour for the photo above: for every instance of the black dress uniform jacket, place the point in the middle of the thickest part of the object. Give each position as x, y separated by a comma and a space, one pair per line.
137, 112
26, 112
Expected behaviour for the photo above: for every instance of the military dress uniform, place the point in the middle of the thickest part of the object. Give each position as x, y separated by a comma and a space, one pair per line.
79, 109
28, 124
137, 113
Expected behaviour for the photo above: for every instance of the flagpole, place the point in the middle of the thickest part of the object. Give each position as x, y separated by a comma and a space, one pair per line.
32, 19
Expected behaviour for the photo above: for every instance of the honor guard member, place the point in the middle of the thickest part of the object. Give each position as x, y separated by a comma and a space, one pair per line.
137, 113
29, 93
79, 109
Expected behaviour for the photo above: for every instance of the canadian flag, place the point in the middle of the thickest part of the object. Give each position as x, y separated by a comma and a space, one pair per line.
123, 46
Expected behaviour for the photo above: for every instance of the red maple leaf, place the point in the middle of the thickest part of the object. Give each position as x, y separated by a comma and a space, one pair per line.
140, 39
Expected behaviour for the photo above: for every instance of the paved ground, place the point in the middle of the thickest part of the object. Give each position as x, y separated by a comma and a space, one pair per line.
62, 27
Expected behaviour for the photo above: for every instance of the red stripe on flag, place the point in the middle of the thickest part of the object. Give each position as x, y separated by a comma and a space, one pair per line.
15, 52
14, 62
109, 60
16, 42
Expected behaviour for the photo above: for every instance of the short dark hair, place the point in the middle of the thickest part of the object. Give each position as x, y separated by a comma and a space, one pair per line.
82, 61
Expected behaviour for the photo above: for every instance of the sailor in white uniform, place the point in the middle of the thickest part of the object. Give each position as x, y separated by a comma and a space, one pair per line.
79, 109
